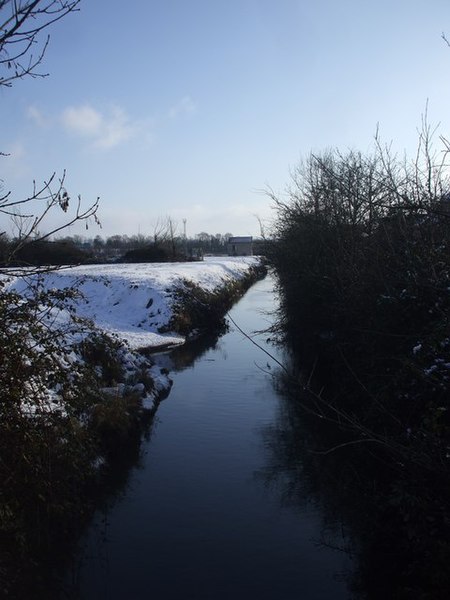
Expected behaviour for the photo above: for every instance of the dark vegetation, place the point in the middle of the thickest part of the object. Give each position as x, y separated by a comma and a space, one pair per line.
151, 253
73, 250
197, 310
43, 253
361, 250
70, 396
70, 403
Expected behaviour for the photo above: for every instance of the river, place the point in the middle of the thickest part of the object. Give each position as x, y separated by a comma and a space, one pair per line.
199, 518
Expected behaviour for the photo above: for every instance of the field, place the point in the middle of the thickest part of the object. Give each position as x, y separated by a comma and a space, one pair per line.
136, 301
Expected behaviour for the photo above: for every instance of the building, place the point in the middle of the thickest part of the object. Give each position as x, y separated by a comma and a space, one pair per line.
240, 246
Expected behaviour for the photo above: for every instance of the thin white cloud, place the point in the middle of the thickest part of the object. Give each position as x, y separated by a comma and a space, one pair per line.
117, 129
82, 120
102, 130
37, 116
186, 106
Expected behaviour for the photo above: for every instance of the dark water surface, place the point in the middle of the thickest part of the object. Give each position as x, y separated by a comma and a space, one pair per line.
198, 520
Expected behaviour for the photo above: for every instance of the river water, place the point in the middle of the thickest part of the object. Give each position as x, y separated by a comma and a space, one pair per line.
199, 517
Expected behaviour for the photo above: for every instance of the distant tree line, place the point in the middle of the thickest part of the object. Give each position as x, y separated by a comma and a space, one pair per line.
164, 245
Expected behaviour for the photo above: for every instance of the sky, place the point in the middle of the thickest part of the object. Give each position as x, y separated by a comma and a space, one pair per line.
192, 109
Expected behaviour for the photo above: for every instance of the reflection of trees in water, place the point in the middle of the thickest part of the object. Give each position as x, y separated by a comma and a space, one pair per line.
91, 544
185, 356
299, 475
117, 482
349, 486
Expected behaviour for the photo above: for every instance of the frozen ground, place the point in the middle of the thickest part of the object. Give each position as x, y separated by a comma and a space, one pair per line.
134, 300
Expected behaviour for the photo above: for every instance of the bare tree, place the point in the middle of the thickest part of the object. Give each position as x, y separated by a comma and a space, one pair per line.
172, 227
165, 233
21, 53
50, 195
21, 25
160, 231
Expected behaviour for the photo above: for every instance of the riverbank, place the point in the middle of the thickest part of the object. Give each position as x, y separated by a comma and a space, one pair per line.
142, 303
80, 386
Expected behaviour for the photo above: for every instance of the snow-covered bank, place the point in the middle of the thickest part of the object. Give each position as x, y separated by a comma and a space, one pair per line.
135, 301
77, 393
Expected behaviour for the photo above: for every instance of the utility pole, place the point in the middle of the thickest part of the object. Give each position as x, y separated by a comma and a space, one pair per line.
185, 238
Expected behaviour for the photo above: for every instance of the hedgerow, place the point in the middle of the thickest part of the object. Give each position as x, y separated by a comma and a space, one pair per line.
361, 248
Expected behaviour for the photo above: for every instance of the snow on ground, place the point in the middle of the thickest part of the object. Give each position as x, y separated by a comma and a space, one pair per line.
134, 300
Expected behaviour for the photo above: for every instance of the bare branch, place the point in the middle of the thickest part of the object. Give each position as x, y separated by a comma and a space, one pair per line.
44, 199
21, 23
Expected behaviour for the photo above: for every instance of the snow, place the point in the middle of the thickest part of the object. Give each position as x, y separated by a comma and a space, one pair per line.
133, 301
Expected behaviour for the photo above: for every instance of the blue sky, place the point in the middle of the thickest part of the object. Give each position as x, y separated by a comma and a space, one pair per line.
189, 108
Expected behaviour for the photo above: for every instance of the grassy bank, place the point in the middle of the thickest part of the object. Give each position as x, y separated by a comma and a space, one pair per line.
196, 310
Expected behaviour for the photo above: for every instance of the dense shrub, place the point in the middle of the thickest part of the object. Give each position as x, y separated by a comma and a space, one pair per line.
361, 249
70, 400
41, 252
363, 268
154, 253
150, 253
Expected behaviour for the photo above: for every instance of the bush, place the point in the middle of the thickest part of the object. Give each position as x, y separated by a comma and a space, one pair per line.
361, 249
65, 407
152, 253
41, 252
363, 269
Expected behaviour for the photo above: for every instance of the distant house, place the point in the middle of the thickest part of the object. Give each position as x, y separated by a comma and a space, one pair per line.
240, 246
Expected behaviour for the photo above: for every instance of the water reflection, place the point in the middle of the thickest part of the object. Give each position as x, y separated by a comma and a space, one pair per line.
185, 356
209, 511
300, 476
348, 486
